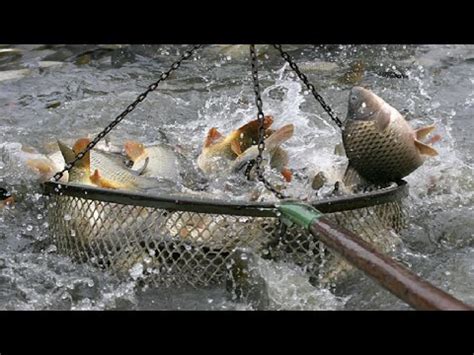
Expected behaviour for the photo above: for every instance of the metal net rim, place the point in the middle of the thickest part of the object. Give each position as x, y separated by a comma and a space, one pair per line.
218, 206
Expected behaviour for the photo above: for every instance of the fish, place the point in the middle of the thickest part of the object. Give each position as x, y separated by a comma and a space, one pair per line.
158, 161
102, 169
218, 151
380, 145
273, 153
46, 165
6, 198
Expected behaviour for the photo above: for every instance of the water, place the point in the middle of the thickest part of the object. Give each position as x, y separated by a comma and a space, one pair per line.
48, 92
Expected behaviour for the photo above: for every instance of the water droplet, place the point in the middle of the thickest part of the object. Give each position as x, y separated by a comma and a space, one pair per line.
39, 216
29, 228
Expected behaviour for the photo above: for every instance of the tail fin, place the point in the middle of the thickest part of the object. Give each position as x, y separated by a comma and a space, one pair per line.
279, 136
425, 149
424, 131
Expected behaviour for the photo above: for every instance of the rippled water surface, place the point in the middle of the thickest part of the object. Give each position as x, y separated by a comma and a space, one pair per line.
49, 92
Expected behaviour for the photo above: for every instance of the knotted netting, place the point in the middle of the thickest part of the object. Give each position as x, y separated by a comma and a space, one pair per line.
176, 240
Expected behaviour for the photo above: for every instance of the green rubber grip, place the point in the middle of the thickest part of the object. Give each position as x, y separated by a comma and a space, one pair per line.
299, 213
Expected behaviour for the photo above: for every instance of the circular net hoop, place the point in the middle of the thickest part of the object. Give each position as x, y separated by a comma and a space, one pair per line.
174, 240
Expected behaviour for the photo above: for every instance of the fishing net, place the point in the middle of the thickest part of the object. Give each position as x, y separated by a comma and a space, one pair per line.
172, 240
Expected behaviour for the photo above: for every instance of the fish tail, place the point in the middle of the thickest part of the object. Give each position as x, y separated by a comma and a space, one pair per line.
424, 131
279, 136
425, 149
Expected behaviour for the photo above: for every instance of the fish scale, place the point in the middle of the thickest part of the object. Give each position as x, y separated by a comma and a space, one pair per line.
379, 155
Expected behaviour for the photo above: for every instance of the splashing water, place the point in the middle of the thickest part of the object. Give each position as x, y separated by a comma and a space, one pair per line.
54, 92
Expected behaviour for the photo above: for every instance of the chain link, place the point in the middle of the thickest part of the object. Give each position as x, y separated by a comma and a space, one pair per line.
310, 86
261, 130
120, 117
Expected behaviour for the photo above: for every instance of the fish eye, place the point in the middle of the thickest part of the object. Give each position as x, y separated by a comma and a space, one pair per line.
353, 98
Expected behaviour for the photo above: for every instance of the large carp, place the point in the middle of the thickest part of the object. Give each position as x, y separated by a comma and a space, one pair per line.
380, 144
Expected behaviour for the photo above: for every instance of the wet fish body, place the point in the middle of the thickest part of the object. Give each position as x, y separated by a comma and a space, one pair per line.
158, 161
380, 145
218, 151
104, 170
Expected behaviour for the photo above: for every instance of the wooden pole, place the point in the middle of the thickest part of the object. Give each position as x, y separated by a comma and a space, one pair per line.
393, 276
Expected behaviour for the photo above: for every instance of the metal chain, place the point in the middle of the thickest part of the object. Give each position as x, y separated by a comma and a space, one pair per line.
310, 86
121, 116
261, 129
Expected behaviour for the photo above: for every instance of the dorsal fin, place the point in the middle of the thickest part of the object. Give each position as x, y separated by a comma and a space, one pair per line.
212, 136
67, 152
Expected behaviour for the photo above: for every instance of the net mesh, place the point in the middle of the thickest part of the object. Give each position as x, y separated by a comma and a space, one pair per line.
171, 246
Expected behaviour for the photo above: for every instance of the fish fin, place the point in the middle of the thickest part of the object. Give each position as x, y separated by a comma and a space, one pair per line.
424, 131
352, 177
42, 166
100, 181
254, 125
287, 174
279, 136
67, 152
236, 147
78, 147
382, 120
212, 136
134, 150
436, 138
425, 149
